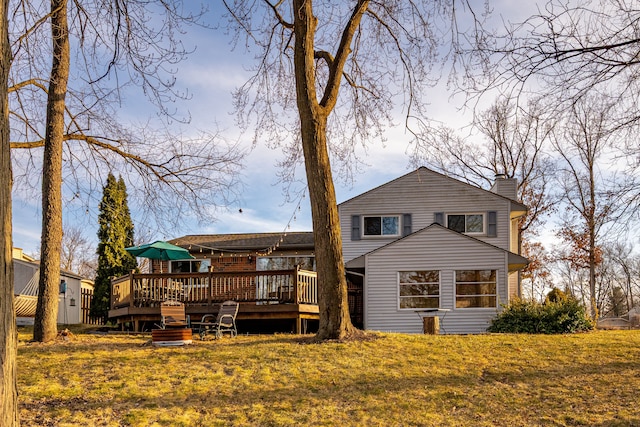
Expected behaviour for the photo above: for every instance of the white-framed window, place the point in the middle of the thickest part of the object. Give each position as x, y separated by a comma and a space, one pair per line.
476, 289
466, 223
419, 289
286, 263
381, 226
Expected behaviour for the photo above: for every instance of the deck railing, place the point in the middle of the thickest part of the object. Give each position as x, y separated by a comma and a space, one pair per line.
121, 291
262, 287
307, 286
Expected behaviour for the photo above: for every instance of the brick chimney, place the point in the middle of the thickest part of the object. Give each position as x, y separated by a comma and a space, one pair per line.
506, 187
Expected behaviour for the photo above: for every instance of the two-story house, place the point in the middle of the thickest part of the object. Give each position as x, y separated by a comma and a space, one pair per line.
427, 244
421, 245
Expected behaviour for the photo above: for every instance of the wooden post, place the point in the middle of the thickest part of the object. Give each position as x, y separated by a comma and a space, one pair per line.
296, 296
131, 301
431, 325
210, 285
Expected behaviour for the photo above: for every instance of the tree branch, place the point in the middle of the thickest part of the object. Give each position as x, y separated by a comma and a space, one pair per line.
330, 96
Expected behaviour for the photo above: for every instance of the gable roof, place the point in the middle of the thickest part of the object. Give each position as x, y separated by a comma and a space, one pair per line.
516, 261
516, 206
246, 241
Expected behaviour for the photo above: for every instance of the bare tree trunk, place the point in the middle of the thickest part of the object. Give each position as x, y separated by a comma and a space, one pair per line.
595, 309
45, 326
335, 322
8, 333
591, 224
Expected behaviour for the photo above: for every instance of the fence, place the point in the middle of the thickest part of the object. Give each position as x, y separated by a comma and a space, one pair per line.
86, 296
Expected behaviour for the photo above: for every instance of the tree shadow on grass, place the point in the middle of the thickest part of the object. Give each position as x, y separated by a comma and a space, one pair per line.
488, 394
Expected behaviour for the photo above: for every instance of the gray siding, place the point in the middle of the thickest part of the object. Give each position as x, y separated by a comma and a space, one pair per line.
421, 193
434, 248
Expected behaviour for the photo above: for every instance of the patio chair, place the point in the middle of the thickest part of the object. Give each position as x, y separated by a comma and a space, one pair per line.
225, 321
173, 315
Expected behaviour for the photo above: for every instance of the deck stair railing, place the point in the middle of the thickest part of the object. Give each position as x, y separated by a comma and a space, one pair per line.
262, 287
307, 287
121, 291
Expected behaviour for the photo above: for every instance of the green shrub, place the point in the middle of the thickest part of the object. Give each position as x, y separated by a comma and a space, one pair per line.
560, 316
556, 295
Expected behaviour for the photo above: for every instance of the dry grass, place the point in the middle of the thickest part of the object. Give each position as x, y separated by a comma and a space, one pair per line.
487, 380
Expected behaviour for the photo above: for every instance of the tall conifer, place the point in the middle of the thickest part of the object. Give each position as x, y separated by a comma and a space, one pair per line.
115, 233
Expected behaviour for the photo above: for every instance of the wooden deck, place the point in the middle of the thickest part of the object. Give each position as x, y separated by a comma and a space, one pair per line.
263, 295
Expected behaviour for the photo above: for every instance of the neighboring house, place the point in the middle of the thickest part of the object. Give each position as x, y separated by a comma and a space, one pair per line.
74, 298
427, 244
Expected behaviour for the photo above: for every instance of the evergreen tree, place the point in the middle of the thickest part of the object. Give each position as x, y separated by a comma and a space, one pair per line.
115, 233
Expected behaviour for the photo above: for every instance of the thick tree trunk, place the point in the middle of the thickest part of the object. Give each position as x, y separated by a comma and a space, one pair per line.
8, 334
45, 327
335, 322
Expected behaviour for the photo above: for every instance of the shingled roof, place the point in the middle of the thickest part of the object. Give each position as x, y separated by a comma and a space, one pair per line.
246, 241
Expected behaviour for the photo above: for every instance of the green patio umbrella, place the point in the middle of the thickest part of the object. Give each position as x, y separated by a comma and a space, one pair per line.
159, 250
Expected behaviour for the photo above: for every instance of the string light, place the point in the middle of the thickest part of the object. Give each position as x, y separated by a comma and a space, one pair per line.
293, 217
261, 252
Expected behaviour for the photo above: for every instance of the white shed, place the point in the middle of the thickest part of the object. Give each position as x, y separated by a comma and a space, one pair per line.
71, 310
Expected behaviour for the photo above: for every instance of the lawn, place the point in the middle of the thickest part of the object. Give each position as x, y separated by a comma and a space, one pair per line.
590, 379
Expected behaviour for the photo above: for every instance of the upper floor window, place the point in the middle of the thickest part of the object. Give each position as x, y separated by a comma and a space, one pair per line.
419, 289
381, 225
469, 223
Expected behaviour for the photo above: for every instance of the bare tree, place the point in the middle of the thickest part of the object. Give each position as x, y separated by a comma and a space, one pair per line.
174, 173
623, 265
78, 255
8, 333
572, 280
583, 55
45, 322
120, 49
338, 68
565, 53
516, 144
568, 50
593, 193
536, 276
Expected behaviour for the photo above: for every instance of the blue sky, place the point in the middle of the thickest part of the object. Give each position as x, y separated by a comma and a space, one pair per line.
211, 73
